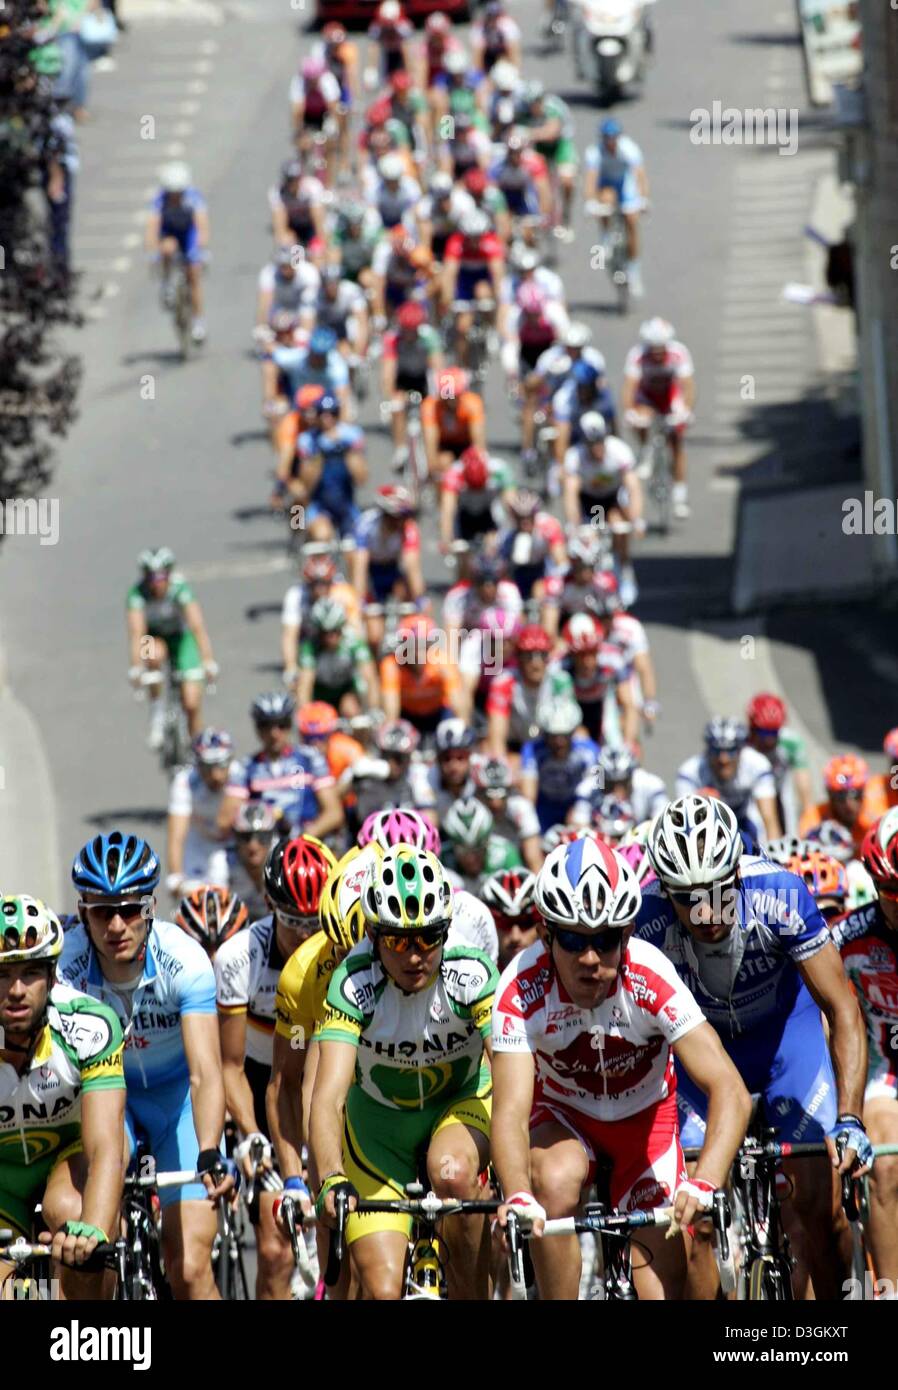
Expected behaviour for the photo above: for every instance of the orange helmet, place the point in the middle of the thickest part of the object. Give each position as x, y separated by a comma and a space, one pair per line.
308, 396
845, 772
708, 791
317, 719
211, 915
824, 876
890, 745
452, 382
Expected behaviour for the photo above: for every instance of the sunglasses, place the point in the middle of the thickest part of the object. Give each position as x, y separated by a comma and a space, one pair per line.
424, 941
576, 942
765, 733
274, 724
129, 909
695, 897
295, 922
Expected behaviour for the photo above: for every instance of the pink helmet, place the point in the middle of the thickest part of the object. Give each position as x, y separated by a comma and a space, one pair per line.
638, 860
400, 826
500, 621
531, 299
313, 68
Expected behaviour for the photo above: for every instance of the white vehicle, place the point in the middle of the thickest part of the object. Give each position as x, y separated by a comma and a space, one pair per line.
611, 43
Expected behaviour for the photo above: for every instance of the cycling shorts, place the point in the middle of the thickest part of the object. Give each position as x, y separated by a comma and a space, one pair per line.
383, 1149
21, 1186
665, 400
411, 381
787, 1063
164, 1118
188, 242
468, 280
643, 1149
590, 501
344, 518
562, 153
184, 656
470, 525
628, 197
382, 580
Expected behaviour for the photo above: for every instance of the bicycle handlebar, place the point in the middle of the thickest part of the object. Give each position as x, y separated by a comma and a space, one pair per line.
18, 1251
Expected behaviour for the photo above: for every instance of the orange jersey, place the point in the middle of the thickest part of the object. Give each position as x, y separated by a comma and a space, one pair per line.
875, 803
342, 751
454, 431
423, 689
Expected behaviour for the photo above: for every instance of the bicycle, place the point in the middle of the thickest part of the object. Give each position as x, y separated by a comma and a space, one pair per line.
410, 460
615, 253
474, 347
178, 301
424, 1277
30, 1261
656, 468
174, 746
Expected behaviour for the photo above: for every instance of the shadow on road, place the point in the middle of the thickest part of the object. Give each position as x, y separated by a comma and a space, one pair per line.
150, 815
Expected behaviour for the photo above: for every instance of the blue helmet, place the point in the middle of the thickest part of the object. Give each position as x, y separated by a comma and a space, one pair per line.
610, 127
323, 340
327, 405
116, 863
584, 373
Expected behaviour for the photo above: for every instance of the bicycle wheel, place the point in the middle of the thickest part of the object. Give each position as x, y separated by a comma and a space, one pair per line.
183, 323
768, 1281
661, 484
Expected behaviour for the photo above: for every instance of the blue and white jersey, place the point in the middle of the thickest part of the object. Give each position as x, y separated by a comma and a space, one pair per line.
777, 926
178, 214
177, 979
753, 782
613, 169
557, 779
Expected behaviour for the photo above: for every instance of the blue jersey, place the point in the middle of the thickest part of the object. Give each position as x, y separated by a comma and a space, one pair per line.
566, 406
558, 779
178, 215
291, 783
297, 369
778, 925
335, 490
177, 979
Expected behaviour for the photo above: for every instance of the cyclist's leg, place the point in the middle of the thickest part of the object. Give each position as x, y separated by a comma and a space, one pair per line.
62, 1201
20, 1190
881, 1119
275, 1257
186, 660
702, 1277
379, 1148
560, 1167
459, 1152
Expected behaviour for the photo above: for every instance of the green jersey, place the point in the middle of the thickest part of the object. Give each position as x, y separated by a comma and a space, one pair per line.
164, 616
337, 672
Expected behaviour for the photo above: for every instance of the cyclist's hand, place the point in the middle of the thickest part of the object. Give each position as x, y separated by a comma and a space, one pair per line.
135, 676
637, 417
527, 1209
650, 710
695, 1196
325, 1202
174, 884
220, 1176
211, 670
295, 1193
74, 1242
243, 1156
857, 1155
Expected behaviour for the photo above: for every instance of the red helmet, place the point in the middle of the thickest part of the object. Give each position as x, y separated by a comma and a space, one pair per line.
581, 634
400, 80
533, 638
881, 861
319, 569
890, 745
452, 382
845, 772
475, 181
317, 719
509, 896
411, 315
766, 712
475, 467
295, 873
378, 113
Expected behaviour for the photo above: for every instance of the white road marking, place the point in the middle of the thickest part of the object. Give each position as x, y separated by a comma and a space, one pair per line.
239, 569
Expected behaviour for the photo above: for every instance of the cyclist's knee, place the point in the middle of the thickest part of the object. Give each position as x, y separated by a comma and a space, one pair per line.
884, 1178
557, 1181
274, 1252
60, 1206
453, 1174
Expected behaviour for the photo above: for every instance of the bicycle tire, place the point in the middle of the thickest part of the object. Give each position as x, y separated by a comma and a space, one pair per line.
661, 485
767, 1281
182, 315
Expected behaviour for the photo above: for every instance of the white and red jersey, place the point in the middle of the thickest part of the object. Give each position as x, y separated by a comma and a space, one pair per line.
660, 382
607, 1063
462, 606
629, 634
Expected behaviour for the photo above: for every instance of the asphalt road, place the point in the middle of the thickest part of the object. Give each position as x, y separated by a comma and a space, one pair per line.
171, 454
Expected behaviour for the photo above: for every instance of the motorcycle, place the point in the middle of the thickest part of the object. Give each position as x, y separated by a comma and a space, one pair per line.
612, 42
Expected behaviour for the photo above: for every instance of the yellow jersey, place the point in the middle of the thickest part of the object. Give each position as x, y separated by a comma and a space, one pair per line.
302, 989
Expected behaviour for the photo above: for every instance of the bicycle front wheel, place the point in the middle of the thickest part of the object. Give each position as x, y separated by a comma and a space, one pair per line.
769, 1281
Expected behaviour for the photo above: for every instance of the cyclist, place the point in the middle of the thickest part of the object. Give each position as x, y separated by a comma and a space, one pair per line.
411, 355
212, 915
785, 750
598, 668
471, 848
824, 877
247, 970
318, 580
531, 545
256, 827
586, 1025
531, 325
554, 763
178, 225
495, 37
516, 694
287, 367
618, 774
289, 776
162, 988
550, 126
341, 58
449, 777
418, 681
854, 799
616, 178
328, 465
514, 816
388, 38
382, 781
470, 493
196, 852
319, 726
335, 662
583, 392
601, 488
62, 1098
386, 561
473, 269
286, 285
438, 213
741, 776
379, 1101
509, 895
356, 235
867, 942
453, 420
659, 379
314, 96
748, 941
166, 624
297, 210
339, 304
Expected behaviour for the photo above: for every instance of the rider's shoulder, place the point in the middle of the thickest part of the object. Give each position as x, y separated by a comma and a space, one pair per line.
856, 924
525, 982
467, 972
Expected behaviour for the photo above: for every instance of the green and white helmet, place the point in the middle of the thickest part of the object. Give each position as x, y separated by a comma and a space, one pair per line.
468, 823
155, 561
28, 930
558, 715
407, 890
327, 615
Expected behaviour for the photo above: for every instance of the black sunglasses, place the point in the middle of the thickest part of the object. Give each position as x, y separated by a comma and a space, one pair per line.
576, 942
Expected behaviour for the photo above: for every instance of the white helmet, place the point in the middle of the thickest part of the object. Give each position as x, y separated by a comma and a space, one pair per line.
787, 847
391, 166
887, 827
578, 335
504, 76
593, 427
175, 177
407, 890
656, 333
474, 223
455, 60
587, 886
558, 715
468, 823
694, 841
509, 893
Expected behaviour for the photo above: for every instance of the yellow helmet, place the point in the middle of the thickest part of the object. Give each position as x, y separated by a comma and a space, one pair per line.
340, 909
28, 930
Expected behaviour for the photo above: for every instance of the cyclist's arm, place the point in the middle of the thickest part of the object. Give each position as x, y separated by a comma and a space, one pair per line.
633, 510
207, 1093
102, 1140
289, 646
280, 227
628, 393
388, 374
336, 1069
497, 733
513, 1081
801, 781
390, 688
767, 809
825, 977
227, 813
310, 470
571, 497
628, 711
283, 1104
357, 465
562, 441
431, 435
178, 827
151, 235
687, 384
366, 684
532, 854
203, 229
448, 510
137, 631
305, 684
239, 1097
729, 1105
193, 616
330, 813
411, 568
358, 571
645, 670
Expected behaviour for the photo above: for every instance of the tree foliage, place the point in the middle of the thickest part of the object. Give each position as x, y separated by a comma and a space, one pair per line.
39, 380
